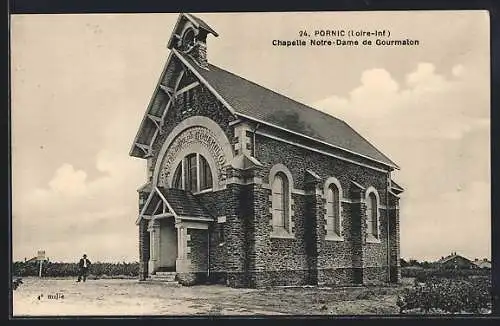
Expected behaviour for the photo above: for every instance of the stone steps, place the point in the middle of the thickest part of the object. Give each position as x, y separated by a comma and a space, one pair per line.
166, 273
164, 276
161, 282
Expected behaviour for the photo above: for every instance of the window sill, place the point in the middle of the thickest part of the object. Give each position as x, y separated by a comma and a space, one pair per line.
334, 238
372, 239
282, 236
203, 191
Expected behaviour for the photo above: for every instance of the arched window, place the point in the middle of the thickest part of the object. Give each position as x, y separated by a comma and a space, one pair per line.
193, 173
280, 197
188, 39
191, 169
177, 183
371, 215
205, 174
333, 210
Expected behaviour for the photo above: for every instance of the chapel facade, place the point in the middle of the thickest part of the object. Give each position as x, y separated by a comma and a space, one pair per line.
249, 188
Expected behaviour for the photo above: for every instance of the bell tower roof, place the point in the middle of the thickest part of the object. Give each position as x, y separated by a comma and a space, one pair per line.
190, 38
188, 21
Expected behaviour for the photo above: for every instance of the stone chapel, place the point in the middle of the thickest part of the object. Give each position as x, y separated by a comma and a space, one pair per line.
249, 188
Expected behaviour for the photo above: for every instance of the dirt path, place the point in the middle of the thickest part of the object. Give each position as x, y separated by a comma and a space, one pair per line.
42, 297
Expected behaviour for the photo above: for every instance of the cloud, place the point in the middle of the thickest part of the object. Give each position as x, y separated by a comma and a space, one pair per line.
457, 70
424, 79
377, 85
437, 129
427, 106
68, 181
378, 81
71, 213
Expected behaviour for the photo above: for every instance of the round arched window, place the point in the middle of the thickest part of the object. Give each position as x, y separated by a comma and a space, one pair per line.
333, 209
193, 174
188, 40
371, 215
280, 202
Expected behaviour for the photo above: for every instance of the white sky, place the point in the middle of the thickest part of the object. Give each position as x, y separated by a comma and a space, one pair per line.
81, 84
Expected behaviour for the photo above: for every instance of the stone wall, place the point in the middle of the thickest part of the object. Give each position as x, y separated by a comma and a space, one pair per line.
394, 240
270, 152
350, 260
235, 239
217, 204
336, 259
143, 249
250, 257
197, 255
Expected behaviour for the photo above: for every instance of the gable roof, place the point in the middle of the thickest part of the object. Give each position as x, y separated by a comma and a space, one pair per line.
445, 259
482, 263
451, 257
200, 23
253, 101
178, 203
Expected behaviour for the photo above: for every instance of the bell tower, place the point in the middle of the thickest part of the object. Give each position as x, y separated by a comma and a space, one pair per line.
190, 38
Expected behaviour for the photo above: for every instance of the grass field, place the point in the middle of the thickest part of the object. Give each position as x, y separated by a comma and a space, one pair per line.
130, 297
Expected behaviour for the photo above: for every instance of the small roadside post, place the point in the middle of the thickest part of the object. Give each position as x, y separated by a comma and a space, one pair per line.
40, 257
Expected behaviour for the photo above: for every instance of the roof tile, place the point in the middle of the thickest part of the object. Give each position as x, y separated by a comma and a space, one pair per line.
184, 203
250, 99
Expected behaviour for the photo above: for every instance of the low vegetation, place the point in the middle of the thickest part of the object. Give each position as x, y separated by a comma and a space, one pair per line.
54, 269
445, 295
426, 274
444, 290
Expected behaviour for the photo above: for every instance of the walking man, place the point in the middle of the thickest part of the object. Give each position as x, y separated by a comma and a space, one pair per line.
83, 267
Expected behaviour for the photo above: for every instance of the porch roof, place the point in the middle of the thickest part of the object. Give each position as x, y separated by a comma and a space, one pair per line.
178, 203
184, 203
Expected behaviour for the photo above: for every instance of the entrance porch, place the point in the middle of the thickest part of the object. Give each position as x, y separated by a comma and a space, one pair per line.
176, 238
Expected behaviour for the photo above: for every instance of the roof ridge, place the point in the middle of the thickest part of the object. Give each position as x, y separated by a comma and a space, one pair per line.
202, 22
